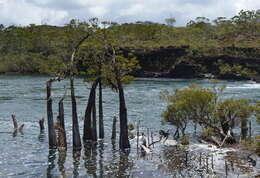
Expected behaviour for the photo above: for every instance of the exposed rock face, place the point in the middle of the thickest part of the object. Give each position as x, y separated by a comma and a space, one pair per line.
183, 70
165, 62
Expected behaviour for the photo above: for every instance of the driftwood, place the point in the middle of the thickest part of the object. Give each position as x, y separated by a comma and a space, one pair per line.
216, 141
227, 136
16, 128
162, 134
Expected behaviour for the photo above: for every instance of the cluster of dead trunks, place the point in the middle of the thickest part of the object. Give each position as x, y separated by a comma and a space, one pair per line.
90, 120
57, 132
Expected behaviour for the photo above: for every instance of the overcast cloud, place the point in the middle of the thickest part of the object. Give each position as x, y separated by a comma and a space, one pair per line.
59, 12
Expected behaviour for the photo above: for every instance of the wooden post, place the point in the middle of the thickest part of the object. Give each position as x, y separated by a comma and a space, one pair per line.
113, 137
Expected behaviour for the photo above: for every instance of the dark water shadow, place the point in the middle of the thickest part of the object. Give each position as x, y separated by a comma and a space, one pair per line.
51, 162
41, 136
101, 157
120, 164
90, 159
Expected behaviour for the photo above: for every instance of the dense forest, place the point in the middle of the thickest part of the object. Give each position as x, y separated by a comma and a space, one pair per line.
221, 48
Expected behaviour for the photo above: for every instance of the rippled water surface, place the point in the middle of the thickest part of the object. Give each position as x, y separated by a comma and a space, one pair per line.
27, 155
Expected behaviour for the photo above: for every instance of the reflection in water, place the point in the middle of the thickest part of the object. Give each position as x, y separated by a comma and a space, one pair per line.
179, 162
61, 162
240, 163
51, 162
101, 152
91, 159
118, 167
124, 165
41, 136
76, 163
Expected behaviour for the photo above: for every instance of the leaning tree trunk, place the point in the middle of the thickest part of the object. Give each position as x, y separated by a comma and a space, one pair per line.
101, 122
94, 119
75, 125
123, 141
87, 133
51, 131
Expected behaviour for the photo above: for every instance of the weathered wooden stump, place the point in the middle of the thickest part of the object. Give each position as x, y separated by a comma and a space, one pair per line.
41, 124
16, 128
113, 137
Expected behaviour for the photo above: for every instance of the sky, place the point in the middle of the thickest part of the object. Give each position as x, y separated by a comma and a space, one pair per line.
60, 12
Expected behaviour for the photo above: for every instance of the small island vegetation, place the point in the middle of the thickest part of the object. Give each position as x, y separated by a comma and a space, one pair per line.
217, 116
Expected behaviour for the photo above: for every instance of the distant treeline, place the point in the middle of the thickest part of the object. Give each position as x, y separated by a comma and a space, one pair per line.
41, 48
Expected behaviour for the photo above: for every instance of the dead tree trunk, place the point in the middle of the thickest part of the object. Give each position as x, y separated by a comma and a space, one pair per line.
123, 141
87, 133
62, 140
51, 131
41, 124
113, 136
16, 128
101, 122
75, 125
94, 119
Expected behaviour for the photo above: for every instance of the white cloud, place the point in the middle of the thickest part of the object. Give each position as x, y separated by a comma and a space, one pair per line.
60, 11
22, 13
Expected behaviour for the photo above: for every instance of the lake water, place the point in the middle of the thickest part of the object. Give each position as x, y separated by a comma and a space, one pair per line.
27, 155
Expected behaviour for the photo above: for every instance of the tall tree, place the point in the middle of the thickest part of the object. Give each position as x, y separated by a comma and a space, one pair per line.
117, 74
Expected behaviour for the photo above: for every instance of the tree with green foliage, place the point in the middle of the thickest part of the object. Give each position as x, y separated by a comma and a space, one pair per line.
204, 107
94, 58
170, 21
117, 74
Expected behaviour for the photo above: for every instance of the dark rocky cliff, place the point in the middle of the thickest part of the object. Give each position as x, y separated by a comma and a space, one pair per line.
178, 62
